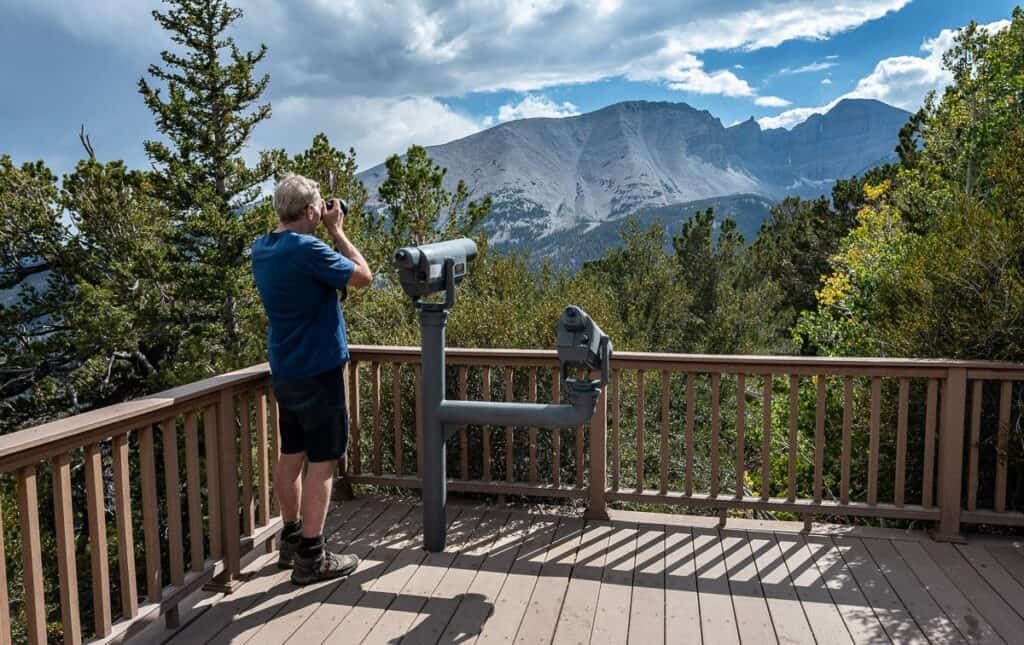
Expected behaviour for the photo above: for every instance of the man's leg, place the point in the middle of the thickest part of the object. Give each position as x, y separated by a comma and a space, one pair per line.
288, 484
316, 496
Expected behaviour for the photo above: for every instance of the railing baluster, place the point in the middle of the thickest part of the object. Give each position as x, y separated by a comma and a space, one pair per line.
556, 433
716, 431
5, 607
794, 448
972, 463
616, 425
741, 429
96, 517
354, 417
844, 477
463, 433
928, 477
485, 377
1002, 435
123, 518
873, 444
375, 396
65, 530
901, 442
690, 398
263, 458
665, 394
766, 436
641, 399
396, 414
819, 439
211, 439
531, 387
579, 456
418, 374
150, 526
510, 452
245, 445
195, 499
31, 555
169, 436
275, 445
227, 455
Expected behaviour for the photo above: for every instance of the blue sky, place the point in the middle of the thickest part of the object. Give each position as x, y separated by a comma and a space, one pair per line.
381, 75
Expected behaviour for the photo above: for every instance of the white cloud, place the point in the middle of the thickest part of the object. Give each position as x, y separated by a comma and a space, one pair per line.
738, 66
387, 60
811, 67
826, 81
832, 57
771, 101
375, 127
902, 81
533, 106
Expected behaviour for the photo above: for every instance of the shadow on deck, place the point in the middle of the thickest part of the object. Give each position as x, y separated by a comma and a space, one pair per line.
510, 576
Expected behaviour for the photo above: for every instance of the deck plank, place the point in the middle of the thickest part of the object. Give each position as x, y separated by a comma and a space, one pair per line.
611, 622
541, 617
717, 614
753, 621
860, 618
1011, 559
219, 617
949, 595
474, 612
934, 622
374, 550
647, 606
682, 605
433, 618
889, 608
379, 592
995, 574
576, 620
986, 600
788, 619
822, 614
514, 597
401, 612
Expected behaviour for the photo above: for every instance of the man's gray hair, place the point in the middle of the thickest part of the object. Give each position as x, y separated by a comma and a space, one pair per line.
292, 194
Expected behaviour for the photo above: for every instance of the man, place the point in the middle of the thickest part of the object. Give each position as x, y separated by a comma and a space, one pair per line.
298, 278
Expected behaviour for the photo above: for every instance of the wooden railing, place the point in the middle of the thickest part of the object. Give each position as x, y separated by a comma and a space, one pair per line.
909, 440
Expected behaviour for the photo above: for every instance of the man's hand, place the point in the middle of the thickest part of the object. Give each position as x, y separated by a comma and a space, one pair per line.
334, 218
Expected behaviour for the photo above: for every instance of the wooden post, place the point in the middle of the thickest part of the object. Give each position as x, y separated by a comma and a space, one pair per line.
31, 555
229, 580
598, 505
64, 528
951, 455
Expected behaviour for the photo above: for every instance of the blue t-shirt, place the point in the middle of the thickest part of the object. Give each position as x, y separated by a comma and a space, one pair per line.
298, 278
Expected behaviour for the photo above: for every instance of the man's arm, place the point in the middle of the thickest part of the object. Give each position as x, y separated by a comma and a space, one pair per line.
333, 220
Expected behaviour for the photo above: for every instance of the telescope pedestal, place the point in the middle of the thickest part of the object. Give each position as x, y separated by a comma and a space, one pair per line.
433, 318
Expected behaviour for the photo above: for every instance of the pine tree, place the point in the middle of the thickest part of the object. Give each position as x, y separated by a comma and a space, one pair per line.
208, 114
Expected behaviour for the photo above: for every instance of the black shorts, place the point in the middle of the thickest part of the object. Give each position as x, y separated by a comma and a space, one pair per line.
313, 415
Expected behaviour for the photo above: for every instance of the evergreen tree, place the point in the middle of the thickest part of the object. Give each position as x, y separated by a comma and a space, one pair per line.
207, 114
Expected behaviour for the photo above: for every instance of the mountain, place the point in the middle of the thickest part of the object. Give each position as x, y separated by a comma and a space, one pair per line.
556, 182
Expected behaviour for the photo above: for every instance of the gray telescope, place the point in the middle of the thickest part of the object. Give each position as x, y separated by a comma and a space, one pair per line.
582, 346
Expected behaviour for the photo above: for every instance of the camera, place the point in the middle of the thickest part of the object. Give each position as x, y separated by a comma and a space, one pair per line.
341, 202
582, 345
421, 269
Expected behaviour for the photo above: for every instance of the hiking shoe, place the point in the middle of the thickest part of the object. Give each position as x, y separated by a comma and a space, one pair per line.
323, 566
286, 552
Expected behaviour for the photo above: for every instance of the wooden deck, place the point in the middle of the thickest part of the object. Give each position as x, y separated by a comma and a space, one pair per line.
509, 576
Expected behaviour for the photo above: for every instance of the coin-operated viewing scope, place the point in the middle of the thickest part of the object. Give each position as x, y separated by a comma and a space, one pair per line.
432, 268
582, 346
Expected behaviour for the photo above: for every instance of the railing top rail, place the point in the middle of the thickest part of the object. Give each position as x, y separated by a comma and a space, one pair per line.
68, 428
644, 359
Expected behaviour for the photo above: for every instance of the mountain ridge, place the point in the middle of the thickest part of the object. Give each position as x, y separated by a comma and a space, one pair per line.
552, 175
